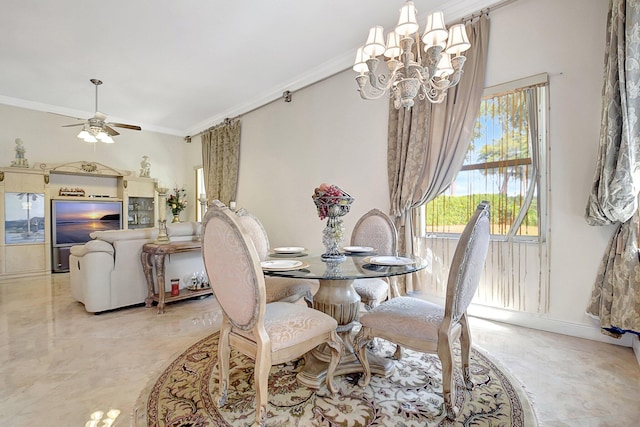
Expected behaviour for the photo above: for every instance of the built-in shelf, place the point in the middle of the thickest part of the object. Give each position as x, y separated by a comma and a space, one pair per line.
96, 181
141, 212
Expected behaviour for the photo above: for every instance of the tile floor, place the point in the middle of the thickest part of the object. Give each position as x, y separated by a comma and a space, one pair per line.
60, 364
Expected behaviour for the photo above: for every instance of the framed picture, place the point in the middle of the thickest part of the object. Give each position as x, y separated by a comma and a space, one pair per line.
23, 218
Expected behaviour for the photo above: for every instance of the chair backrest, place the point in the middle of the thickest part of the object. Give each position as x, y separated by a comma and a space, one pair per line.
256, 231
375, 229
468, 263
233, 267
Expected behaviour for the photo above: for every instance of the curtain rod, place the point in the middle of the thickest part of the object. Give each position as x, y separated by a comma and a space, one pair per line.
487, 10
287, 93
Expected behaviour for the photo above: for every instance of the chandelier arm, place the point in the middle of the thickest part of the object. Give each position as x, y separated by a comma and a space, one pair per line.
369, 92
431, 59
380, 80
435, 90
457, 63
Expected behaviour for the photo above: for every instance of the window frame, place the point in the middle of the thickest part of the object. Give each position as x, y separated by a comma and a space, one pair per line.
200, 189
539, 177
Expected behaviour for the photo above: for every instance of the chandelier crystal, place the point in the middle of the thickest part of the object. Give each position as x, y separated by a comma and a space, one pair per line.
407, 72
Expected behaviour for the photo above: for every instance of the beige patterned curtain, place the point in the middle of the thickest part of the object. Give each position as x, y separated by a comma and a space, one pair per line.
221, 161
615, 299
427, 143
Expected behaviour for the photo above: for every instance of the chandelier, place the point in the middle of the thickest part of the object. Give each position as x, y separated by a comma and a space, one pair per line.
407, 72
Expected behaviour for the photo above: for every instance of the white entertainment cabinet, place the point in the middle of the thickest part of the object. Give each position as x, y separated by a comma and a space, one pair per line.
98, 182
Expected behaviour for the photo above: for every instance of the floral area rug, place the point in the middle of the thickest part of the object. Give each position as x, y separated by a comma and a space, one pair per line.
184, 395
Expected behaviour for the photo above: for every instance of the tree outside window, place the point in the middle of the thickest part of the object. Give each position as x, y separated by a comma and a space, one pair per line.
500, 166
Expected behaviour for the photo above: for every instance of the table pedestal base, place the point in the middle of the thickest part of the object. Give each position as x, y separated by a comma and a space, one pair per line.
338, 299
314, 373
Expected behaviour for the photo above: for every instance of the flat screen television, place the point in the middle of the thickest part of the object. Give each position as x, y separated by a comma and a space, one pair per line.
74, 220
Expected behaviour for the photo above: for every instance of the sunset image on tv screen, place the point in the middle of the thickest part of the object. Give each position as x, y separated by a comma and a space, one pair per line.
75, 220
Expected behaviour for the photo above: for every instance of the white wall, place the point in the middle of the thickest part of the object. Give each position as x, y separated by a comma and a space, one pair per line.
326, 134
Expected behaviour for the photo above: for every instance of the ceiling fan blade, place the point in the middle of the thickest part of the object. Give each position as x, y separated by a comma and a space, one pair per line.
122, 125
77, 124
111, 131
66, 115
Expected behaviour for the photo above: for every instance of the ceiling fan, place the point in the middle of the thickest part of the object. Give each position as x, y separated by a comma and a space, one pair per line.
97, 128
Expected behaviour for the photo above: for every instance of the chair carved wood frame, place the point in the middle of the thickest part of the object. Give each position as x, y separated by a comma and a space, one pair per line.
375, 229
270, 334
282, 289
429, 328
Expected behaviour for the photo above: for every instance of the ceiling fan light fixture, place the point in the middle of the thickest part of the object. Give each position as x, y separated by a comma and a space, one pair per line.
83, 134
88, 137
96, 128
104, 137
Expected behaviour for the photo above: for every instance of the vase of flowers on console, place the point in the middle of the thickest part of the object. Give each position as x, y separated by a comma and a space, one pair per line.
332, 203
177, 202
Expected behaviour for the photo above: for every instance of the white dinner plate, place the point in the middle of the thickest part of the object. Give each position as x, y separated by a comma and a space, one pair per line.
357, 249
288, 250
283, 264
389, 260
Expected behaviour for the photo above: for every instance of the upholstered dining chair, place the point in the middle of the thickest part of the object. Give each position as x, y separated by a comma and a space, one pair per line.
426, 327
270, 334
376, 230
278, 288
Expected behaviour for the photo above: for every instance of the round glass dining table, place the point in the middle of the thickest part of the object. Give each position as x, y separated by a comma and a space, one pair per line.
337, 298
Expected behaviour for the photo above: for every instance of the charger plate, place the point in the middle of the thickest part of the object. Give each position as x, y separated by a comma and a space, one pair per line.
288, 250
283, 265
358, 249
389, 260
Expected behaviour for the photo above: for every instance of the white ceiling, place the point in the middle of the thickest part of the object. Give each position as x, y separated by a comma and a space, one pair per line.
180, 66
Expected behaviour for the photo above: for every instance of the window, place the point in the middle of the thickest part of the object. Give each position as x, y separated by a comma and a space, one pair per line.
505, 164
200, 191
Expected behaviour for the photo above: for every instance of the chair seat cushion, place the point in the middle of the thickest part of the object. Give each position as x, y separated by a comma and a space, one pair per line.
406, 316
372, 289
290, 324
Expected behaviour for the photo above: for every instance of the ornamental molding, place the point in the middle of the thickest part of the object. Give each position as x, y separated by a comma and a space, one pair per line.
82, 168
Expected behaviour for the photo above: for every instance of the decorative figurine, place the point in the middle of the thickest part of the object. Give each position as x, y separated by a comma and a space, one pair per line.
20, 161
145, 167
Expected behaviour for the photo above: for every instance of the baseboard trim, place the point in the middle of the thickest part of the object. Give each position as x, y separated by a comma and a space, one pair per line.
4, 277
542, 323
536, 321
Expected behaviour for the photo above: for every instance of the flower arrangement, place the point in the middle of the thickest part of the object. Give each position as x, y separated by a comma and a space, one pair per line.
331, 201
177, 201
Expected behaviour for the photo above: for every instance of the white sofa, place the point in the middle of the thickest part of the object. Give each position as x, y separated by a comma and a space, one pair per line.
106, 272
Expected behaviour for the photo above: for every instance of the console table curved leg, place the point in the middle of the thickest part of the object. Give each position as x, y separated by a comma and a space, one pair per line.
147, 267
158, 262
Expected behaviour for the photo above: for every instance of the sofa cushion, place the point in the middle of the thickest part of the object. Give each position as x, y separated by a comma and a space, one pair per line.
92, 246
113, 235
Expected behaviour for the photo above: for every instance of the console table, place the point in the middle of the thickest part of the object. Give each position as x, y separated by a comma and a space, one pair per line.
152, 258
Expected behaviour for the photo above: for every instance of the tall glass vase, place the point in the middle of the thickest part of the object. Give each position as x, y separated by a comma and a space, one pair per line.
332, 237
